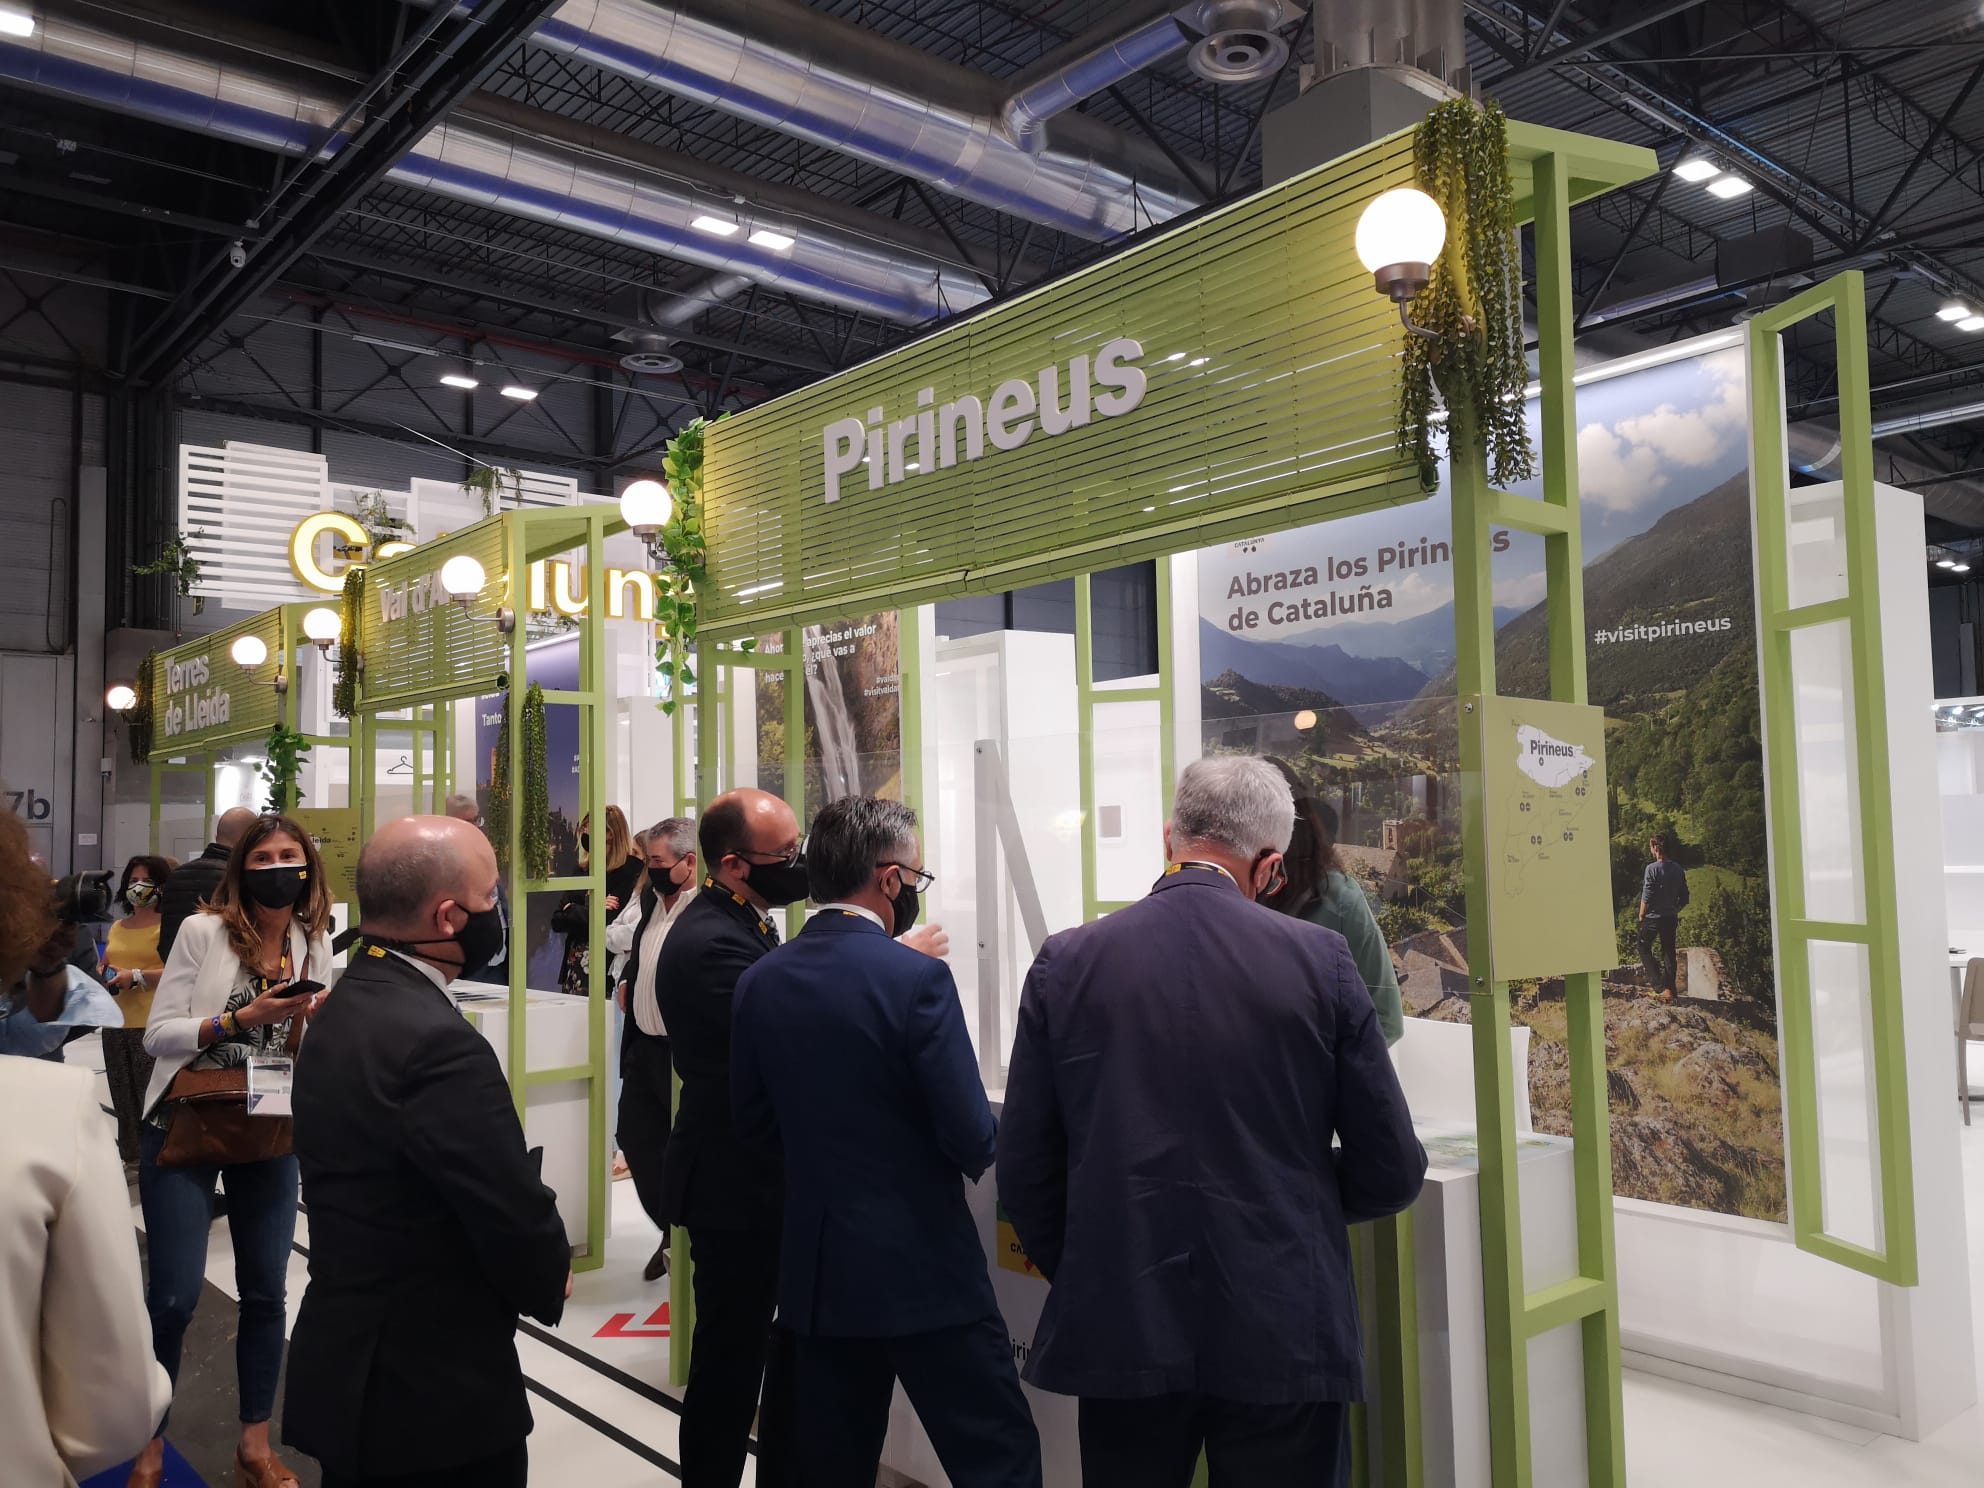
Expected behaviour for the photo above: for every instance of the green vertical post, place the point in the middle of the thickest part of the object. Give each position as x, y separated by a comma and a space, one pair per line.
909, 703
592, 682
681, 1271
678, 723
795, 747
1085, 742
513, 710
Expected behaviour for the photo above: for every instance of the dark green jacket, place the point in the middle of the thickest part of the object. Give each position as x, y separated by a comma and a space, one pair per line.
1340, 905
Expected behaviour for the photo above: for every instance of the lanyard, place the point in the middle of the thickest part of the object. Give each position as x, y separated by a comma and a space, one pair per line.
764, 925
1180, 867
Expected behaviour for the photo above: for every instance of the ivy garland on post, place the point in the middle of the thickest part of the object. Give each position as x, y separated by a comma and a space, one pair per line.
685, 553
286, 749
138, 718
1474, 301
344, 689
496, 815
536, 803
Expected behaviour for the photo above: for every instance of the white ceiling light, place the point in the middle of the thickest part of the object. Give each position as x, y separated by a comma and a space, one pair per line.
1971, 323
15, 22
778, 242
1959, 568
1698, 170
457, 379
1729, 186
716, 226
1954, 311
1946, 563
521, 394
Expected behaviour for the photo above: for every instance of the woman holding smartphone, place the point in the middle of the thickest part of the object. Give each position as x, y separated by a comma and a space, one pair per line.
225, 998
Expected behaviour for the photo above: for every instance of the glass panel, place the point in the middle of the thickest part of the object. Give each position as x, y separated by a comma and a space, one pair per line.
1828, 780
1129, 798
1842, 1047
1815, 545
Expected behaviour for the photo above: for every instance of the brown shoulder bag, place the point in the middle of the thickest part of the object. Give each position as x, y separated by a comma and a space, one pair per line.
207, 1124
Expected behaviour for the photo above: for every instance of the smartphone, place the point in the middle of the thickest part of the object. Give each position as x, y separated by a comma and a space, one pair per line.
302, 989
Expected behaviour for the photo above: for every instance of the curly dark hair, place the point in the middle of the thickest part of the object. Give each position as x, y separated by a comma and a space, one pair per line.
27, 908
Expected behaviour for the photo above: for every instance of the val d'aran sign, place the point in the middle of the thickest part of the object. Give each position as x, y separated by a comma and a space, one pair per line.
1231, 375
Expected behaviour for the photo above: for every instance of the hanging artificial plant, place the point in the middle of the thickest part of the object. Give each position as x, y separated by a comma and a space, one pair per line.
1474, 301
536, 803
684, 554
286, 749
487, 481
496, 815
176, 561
375, 515
138, 717
344, 690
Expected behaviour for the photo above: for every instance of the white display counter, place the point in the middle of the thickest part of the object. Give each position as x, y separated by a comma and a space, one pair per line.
554, 1115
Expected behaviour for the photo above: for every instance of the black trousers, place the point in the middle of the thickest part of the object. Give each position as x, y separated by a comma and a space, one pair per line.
1155, 1442
961, 1381
734, 1354
1658, 929
645, 1115
507, 1469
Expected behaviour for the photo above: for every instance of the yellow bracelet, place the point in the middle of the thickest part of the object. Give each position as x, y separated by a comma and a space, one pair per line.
230, 1024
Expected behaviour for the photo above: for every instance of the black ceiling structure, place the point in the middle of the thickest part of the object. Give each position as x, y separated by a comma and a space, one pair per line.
323, 292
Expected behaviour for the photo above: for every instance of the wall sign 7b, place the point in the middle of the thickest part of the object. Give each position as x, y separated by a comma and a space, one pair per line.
29, 804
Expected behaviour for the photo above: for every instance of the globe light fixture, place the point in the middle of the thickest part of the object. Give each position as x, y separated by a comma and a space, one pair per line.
646, 506
120, 699
463, 578
322, 625
1399, 236
249, 651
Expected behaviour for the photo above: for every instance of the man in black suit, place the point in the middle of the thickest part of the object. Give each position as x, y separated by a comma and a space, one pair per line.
430, 1231
725, 1191
192, 884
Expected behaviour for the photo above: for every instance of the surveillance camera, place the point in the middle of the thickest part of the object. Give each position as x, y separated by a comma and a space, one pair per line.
237, 253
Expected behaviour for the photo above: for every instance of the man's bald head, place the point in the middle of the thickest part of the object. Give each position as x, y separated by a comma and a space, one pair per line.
233, 825
419, 877
746, 827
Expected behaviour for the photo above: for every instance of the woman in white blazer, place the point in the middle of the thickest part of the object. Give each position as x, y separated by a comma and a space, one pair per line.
223, 999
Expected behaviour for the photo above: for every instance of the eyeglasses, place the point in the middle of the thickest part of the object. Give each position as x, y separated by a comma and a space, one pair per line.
917, 878
771, 858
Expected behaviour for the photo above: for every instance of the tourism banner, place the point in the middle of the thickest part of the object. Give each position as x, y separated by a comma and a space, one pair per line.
853, 711
1332, 647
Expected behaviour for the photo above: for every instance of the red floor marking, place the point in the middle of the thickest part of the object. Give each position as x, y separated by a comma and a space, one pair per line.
655, 1327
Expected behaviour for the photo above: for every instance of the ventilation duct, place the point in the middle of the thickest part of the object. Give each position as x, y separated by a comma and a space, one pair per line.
516, 172
784, 65
655, 314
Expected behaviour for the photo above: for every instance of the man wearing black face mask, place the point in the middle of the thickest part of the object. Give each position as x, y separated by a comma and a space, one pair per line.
852, 1048
646, 1096
724, 1190
430, 1232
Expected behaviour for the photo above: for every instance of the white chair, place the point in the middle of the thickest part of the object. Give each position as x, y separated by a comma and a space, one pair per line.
1969, 1025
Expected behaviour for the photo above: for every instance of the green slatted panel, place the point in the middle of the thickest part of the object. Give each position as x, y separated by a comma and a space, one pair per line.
442, 651
1290, 416
253, 706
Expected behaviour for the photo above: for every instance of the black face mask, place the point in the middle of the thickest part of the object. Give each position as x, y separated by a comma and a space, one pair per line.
585, 842
906, 905
779, 883
665, 883
277, 886
481, 940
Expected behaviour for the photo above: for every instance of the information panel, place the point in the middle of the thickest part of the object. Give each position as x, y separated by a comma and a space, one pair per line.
1548, 839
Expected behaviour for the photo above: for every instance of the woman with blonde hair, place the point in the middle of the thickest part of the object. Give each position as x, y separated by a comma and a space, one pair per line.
225, 1000
572, 918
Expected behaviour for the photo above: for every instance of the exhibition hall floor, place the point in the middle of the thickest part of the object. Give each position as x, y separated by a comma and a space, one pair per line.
606, 1418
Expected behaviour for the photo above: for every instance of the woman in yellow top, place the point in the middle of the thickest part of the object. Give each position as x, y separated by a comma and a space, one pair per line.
131, 968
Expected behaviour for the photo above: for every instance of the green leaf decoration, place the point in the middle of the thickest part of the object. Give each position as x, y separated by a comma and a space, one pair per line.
286, 749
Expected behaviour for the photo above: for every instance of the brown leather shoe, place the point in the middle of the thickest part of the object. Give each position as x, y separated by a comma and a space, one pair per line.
657, 1266
267, 1473
145, 1477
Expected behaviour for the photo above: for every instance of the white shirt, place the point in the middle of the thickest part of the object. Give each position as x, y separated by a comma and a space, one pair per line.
645, 1005
425, 968
855, 909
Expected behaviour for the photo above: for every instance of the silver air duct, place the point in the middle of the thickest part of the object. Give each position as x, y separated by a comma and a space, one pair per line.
1232, 41
782, 64
519, 173
656, 314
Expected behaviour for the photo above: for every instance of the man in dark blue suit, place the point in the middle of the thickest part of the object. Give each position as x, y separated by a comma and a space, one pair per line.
851, 1049
1181, 1073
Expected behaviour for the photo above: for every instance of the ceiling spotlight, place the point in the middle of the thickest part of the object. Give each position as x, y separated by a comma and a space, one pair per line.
778, 242
15, 22
521, 394
458, 379
1954, 311
1971, 323
1727, 187
1946, 563
120, 699
721, 227
1959, 568
1697, 170
249, 651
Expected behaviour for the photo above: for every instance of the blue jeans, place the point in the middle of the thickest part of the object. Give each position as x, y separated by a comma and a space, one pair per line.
261, 1218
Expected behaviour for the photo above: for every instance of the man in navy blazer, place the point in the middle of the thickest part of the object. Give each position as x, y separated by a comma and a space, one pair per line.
1182, 1074
851, 1049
